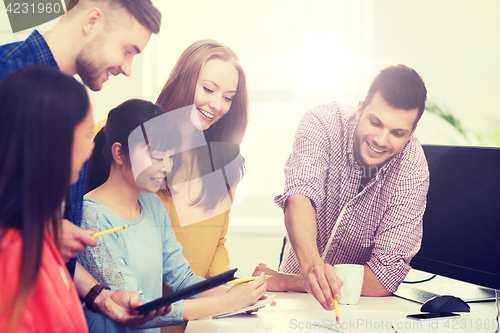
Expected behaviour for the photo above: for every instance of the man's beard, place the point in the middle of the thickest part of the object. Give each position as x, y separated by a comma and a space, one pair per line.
357, 152
88, 66
89, 73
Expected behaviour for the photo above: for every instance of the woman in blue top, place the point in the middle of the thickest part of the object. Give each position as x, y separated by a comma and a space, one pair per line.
137, 146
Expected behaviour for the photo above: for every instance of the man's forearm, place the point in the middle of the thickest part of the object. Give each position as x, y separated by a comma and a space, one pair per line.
300, 222
294, 282
372, 285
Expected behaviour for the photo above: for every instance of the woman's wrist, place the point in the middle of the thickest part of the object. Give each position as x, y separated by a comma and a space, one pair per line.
100, 299
224, 302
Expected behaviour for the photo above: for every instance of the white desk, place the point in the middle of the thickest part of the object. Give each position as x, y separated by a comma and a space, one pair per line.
300, 312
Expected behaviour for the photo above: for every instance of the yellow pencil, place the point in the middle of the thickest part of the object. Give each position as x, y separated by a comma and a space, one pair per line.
246, 280
105, 232
336, 311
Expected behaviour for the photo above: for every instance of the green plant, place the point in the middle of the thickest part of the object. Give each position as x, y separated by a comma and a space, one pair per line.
490, 137
447, 115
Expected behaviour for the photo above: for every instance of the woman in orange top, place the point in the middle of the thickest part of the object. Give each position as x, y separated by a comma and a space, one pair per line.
46, 129
207, 94
209, 84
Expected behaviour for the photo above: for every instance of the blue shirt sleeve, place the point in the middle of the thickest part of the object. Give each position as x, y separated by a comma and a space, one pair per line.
108, 262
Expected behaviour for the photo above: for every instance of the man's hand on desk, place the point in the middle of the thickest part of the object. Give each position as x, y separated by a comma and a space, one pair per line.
280, 281
321, 282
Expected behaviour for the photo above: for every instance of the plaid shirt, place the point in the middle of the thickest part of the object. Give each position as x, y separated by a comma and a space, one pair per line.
35, 51
381, 226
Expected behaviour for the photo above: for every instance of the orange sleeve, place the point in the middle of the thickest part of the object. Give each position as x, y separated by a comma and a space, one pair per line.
220, 263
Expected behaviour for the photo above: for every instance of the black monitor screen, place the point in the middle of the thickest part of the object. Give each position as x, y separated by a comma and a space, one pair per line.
462, 219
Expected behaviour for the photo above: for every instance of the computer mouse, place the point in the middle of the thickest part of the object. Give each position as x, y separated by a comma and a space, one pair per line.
445, 303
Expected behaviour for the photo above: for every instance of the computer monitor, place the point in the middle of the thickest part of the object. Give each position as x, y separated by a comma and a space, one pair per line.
461, 223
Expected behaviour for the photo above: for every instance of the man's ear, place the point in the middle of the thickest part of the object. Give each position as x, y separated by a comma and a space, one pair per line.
93, 21
118, 154
359, 111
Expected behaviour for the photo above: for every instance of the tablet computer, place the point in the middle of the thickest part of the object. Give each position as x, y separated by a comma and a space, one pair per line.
187, 292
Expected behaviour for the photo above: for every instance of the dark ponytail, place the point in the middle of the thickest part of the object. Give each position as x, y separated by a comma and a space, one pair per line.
100, 164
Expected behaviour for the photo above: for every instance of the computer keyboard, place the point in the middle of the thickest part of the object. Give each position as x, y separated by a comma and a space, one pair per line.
414, 294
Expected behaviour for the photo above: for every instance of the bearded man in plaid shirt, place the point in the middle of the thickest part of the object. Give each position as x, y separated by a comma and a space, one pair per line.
355, 191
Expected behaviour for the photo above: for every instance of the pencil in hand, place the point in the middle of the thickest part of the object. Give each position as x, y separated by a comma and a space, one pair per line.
105, 232
238, 281
336, 303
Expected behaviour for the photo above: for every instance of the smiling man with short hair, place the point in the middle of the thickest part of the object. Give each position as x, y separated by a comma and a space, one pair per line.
355, 191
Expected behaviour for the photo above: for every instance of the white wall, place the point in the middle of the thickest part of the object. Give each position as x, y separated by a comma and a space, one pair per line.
453, 44
319, 50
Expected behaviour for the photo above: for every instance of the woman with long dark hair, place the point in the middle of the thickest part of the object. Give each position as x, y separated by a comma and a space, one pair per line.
46, 125
133, 153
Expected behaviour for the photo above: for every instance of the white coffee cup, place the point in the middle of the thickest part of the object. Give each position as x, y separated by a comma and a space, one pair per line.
352, 276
